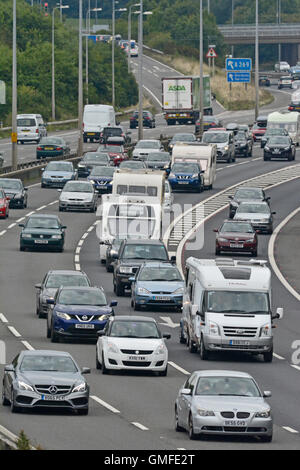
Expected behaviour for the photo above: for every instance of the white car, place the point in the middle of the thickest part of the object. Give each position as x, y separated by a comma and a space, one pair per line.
169, 198
78, 195
282, 67
144, 147
132, 343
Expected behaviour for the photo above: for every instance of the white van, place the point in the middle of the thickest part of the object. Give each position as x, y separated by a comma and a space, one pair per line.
204, 154
227, 307
95, 118
148, 182
286, 120
30, 128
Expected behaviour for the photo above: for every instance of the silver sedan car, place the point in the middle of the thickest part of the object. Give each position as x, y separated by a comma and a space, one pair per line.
223, 402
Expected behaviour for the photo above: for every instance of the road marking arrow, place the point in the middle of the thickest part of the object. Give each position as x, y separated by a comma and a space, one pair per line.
169, 322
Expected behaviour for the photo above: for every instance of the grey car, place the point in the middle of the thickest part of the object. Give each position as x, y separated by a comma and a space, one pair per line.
258, 213
50, 284
78, 195
45, 379
225, 144
221, 402
245, 194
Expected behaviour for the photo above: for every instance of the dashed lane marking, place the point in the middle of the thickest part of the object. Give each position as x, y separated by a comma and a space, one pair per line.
3, 318
14, 331
140, 426
106, 405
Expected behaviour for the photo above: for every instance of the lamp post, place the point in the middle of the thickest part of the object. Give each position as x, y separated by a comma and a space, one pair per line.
14, 91
113, 48
232, 21
88, 30
129, 33
279, 21
53, 59
256, 61
201, 71
80, 94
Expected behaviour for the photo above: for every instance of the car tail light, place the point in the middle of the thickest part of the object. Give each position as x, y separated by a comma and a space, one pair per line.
36, 131
290, 108
39, 148
58, 148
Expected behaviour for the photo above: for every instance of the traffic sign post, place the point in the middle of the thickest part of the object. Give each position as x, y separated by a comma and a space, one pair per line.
211, 55
238, 77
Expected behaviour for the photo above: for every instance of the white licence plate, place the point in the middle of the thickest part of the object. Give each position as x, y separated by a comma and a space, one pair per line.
236, 245
183, 182
52, 398
136, 358
235, 342
235, 423
85, 326
161, 298
41, 242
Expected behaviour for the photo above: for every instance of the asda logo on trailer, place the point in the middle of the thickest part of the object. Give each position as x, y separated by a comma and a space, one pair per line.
177, 88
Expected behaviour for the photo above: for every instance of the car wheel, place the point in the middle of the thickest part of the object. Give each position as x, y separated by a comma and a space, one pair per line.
182, 338
48, 334
119, 290
204, 354
191, 345
22, 248
136, 307
164, 373
83, 412
109, 268
266, 159
268, 356
266, 438
13, 407
177, 427
192, 435
217, 252
54, 336
105, 371
5, 401
98, 364
254, 253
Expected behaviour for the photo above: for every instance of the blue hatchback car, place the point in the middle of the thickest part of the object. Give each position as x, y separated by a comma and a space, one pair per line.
186, 176
157, 284
78, 312
56, 174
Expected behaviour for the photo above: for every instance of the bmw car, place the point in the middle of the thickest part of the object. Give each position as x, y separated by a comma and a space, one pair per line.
56, 174
42, 231
157, 285
78, 312
15, 192
45, 379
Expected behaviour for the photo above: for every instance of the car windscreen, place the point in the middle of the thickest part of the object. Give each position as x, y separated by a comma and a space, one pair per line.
10, 184
26, 122
103, 171
78, 187
42, 222
53, 166
244, 207
112, 131
168, 274
240, 137
244, 193
48, 363
280, 140
215, 137
237, 302
183, 138
51, 141
114, 148
141, 251
158, 157
55, 281
2, 194
134, 329
133, 164
275, 131
144, 144
237, 227
95, 118
93, 297
185, 168
227, 386
94, 157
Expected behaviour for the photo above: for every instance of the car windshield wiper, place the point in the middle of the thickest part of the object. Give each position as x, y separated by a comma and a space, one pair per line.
230, 311
259, 311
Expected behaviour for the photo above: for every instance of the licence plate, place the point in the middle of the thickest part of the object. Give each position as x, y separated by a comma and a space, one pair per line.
183, 182
235, 423
25, 130
48, 148
91, 133
161, 298
236, 245
136, 358
52, 398
85, 326
41, 242
235, 342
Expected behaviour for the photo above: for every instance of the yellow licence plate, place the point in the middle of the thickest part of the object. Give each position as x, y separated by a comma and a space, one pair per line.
48, 148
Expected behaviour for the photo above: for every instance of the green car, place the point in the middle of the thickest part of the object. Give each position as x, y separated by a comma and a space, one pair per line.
52, 147
42, 231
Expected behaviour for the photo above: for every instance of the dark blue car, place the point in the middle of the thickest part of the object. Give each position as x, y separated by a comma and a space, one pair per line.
186, 176
101, 177
78, 312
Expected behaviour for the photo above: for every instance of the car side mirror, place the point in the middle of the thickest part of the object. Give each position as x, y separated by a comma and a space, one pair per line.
115, 256
25, 189
279, 313
38, 286
63, 227
167, 336
273, 213
215, 230
185, 391
131, 279
9, 368
113, 303
22, 225
173, 259
85, 370
230, 197
267, 394
101, 333
59, 190
267, 198
50, 301
194, 310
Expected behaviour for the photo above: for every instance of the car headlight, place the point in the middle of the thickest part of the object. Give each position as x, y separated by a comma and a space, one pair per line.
202, 412
195, 175
267, 149
125, 270
234, 204
142, 290
220, 239
80, 165
166, 167
161, 349
213, 329
24, 386
80, 387
263, 414
46, 297
265, 221
18, 195
172, 175
56, 237
92, 181
63, 315
103, 317
287, 148
179, 291
111, 347
26, 235
226, 148
265, 330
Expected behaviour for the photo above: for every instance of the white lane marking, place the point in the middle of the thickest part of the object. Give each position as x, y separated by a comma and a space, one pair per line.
77, 250
185, 372
77, 259
3, 232
51, 203
84, 236
29, 213
140, 426
293, 431
153, 95
106, 405
90, 229
27, 345
14, 331
295, 367
272, 257
278, 357
20, 220
3, 318
77, 267
41, 208
80, 243
11, 226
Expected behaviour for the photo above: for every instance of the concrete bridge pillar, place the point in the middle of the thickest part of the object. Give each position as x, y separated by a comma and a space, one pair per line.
290, 53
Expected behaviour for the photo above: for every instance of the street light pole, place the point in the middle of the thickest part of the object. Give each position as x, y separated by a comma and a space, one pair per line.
201, 70
113, 54
256, 61
53, 60
140, 72
88, 31
279, 21
80, 94
129, 33
232, 21
14, 91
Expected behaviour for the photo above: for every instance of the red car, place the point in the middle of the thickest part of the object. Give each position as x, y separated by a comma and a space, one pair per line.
117, 153
258, 132
236, 236
4, 205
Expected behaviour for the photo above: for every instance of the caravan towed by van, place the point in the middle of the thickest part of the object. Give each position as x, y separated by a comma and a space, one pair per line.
227, 307
286, 120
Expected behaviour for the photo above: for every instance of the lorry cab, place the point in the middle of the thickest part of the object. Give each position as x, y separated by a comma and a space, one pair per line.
227, 307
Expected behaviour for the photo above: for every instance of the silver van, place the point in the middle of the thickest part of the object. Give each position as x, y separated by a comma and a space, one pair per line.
30, 128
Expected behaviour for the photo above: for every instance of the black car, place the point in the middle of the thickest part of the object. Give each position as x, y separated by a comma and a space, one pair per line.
132, 254
52, 147
209, 122
270, 133
45, 379
148, 120
243, 146
90, 160
42, 231
245, 194
279, 147
52, 281
159, 161
264, 81
108, 132
15, 192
